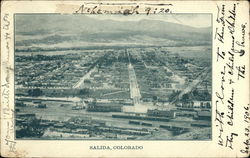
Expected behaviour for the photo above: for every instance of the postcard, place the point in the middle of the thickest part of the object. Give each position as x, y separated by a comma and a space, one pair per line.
125, 79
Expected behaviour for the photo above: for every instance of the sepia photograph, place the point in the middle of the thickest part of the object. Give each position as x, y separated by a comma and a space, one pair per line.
113, 77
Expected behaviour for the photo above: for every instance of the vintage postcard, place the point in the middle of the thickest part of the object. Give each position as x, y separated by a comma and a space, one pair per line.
125, 79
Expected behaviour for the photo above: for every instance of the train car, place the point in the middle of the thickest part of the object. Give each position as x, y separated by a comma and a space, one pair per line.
42, 106
104, 107
161, 113
203, 115
20, 104
134, 122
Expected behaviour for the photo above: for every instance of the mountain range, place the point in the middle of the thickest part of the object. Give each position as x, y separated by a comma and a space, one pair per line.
79, 30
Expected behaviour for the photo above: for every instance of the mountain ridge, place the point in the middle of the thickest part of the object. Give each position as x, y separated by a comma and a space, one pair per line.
61, 28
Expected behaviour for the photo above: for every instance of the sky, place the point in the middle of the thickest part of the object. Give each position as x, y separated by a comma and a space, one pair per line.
193, 20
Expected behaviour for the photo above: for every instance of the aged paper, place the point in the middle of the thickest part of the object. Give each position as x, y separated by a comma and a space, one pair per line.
125, 79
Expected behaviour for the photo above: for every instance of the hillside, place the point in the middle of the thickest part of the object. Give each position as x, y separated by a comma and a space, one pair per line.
59, 31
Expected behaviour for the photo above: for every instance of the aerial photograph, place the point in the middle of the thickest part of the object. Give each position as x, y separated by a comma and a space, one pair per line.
113, 77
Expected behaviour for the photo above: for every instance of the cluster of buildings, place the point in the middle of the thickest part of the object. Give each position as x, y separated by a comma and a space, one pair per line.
52, 71
159, 78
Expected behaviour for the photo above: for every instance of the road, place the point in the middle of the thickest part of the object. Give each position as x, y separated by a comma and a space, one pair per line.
193, 84
134, 87
80, 83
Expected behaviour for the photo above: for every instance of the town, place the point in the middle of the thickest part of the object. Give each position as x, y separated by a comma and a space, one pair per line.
147, 93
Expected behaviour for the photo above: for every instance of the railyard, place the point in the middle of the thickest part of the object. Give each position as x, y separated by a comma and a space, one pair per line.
63, 121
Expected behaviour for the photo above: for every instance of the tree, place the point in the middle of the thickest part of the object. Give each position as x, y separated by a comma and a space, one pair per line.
173, 95
84, 91
185, 98
155, 99
31, 128
35, 92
